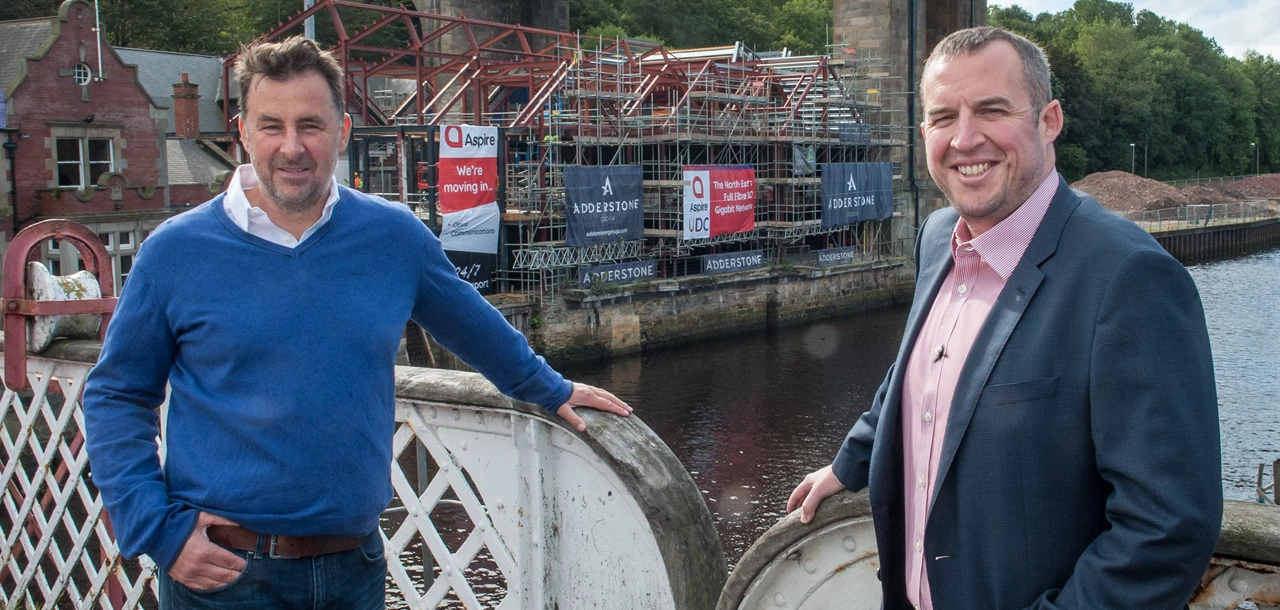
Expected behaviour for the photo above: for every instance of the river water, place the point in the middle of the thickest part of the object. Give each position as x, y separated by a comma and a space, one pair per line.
750, 415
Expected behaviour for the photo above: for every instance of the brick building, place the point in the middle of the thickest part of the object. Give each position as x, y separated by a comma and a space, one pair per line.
84, 140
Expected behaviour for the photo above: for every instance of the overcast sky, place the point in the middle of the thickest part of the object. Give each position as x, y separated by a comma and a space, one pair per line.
1237, 25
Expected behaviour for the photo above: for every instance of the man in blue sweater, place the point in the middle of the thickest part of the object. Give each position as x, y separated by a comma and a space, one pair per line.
273, 313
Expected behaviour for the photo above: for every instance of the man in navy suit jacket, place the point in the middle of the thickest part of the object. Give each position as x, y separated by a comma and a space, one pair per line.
1048, 435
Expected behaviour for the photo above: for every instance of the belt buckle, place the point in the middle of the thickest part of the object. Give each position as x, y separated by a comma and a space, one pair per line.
272, 550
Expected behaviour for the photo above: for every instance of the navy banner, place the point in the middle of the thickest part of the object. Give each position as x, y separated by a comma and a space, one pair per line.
734, 261
855, 133
604, 203
854, 192
835, 256
474, 267
621, 273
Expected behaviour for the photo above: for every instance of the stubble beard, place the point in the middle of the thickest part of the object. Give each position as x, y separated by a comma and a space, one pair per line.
309, 200
313, 197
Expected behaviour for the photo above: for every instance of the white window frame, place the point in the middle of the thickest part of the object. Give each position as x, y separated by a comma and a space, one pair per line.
110, 161
82, 73
85, 163
78, 162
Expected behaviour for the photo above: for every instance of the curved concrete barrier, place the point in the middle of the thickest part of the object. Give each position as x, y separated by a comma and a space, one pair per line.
832, 562
615, 519
828, 563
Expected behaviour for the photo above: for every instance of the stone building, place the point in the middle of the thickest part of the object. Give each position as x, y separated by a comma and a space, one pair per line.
85, 140
905, 31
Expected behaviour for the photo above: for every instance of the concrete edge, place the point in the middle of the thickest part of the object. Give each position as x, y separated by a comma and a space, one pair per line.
844, 506
1250, 531
660, 484
696, 281
74, 350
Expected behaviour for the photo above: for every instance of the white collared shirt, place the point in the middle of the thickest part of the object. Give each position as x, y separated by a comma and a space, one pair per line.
254, 221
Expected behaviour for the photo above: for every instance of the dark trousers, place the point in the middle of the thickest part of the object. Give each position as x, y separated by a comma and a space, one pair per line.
351, 580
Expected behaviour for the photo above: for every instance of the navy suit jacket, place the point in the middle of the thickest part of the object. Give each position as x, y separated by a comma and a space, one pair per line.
1081, 465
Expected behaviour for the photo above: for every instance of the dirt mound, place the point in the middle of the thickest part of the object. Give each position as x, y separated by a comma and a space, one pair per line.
1208, 195
1266, 186
1123, 191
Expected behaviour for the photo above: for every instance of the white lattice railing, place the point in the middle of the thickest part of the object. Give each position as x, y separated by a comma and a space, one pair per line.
497, 505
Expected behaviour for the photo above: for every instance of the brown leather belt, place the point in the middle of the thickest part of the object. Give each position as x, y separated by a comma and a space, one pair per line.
244, 539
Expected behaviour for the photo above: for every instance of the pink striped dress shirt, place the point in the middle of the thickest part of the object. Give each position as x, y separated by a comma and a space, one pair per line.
982, 266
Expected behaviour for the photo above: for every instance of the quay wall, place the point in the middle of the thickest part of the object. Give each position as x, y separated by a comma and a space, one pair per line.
587, 324
1200, 244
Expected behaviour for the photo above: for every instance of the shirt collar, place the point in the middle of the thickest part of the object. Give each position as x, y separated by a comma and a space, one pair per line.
237, 205
1002, 246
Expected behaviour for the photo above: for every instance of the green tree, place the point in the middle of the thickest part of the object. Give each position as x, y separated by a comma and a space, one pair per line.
26, 9
1263, 71
802, 26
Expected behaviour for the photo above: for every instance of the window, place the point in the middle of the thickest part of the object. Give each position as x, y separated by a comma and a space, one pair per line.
71, 155
53, 256
69, 172
121, 247
82, 74
123, 265
101, 160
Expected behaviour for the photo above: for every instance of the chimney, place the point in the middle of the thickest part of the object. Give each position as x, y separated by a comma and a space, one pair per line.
186, 108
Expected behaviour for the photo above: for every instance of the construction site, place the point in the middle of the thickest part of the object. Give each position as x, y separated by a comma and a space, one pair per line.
562, 100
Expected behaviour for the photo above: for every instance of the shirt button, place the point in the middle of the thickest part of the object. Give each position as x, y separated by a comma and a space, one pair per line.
922, 480
938, 352
962, 289
928, 416
918, 545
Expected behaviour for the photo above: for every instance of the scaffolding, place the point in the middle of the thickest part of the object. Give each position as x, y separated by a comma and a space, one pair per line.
562, 100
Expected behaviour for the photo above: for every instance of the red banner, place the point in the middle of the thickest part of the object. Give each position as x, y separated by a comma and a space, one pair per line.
719, 200
468, 172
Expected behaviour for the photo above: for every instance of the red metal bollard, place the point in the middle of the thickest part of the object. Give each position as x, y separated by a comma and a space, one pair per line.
17, 305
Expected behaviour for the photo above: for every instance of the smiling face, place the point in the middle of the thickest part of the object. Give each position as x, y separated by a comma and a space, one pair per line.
293, 134
988, 147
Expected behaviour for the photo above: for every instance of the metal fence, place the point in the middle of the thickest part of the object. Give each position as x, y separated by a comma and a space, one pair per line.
1218, 180
497, 504
1192, 216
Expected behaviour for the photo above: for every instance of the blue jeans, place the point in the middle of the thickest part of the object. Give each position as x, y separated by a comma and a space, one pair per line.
351, 580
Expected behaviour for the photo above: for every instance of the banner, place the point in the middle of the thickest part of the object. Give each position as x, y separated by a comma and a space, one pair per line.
474, 267
604, 203
468, 171
835, 256
854, 192
719, 200
621, 273
2, 114
474, 230
467, 196
734, 261
855, 133
804, 160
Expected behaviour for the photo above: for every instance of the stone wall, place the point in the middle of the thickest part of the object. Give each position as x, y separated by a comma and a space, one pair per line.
586, 325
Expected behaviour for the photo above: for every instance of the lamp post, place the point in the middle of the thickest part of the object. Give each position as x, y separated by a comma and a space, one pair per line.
1132, 151
1256, 165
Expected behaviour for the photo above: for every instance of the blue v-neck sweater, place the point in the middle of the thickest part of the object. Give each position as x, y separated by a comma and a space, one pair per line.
280, 364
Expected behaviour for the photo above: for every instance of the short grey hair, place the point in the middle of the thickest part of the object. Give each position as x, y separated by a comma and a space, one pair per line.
1035, 65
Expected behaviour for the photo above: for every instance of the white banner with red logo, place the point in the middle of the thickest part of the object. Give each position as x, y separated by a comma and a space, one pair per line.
719, 200
468, 188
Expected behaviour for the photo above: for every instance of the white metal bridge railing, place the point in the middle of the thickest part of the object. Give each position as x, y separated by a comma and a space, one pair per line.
497, 505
